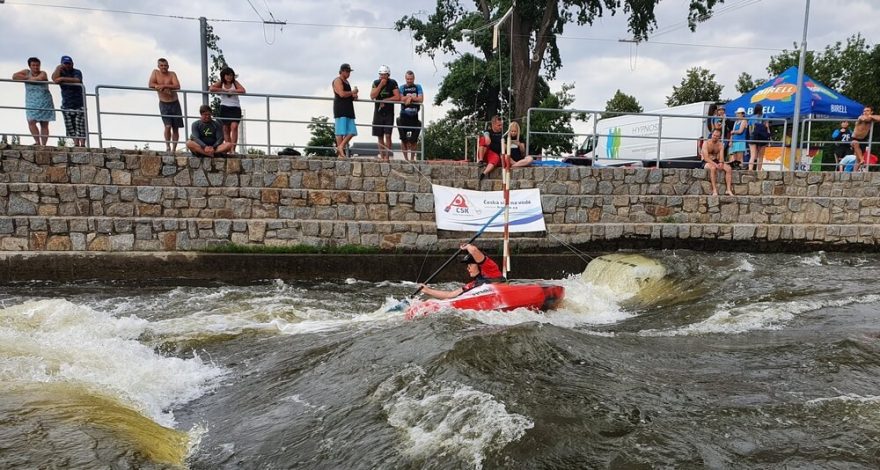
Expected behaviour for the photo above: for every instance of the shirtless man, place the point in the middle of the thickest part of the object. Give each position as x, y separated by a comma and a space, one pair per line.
166, 85
713, 160
860, 133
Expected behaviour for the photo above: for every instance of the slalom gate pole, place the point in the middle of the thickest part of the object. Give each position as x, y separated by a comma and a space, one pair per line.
505, 181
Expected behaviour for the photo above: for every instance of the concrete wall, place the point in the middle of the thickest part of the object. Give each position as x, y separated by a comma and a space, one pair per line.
110, 200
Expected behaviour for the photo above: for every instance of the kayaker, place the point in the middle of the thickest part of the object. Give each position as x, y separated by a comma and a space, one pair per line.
480, 268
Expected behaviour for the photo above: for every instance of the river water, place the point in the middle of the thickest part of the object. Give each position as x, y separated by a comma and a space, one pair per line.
738, 361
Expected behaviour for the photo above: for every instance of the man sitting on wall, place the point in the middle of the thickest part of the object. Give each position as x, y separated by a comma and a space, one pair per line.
713, 160
207, 136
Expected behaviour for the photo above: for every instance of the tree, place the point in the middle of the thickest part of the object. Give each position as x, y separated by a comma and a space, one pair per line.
852, 69
698, 85
621, 103
445, 138
745, 83
218, 63
323, 141
528, 41
560, 139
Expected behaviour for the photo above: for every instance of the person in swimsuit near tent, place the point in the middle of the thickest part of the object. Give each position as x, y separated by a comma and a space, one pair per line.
860, 133
480, 268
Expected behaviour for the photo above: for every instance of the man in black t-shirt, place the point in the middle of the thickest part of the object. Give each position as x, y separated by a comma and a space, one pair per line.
408, 124
384, 89
207, 135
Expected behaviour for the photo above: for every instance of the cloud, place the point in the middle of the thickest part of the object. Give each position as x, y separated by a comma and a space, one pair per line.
303, 57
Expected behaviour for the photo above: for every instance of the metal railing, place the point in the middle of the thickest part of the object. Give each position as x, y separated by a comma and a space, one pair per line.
652, 125
838, 149
118, 116
190, 97
55, 99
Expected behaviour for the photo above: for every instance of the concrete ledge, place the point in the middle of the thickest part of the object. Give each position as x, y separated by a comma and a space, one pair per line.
237, 268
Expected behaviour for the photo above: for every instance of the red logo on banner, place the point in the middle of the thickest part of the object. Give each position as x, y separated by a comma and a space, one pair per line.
459, 202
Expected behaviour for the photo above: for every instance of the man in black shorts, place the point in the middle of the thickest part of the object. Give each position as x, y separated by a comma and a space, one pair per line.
408, 123
166, 84
384, 89
712, 154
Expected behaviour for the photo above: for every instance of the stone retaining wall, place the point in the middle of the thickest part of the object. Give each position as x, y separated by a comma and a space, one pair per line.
110, 200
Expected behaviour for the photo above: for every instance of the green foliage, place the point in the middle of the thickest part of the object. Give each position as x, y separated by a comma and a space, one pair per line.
621, 103
528, 40
698, 85
852, 69
745, 83
323, 135
62, 142
302, 249
255, 151
217, 63
558, 123
445, 138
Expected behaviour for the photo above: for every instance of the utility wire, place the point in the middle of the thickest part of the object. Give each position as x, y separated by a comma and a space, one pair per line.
383, 28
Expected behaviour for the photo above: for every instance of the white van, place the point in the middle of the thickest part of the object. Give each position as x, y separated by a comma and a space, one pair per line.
632, 139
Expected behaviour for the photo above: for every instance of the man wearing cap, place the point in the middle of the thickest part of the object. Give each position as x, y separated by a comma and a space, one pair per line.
480, 268
384, 89
343, 109
72, 100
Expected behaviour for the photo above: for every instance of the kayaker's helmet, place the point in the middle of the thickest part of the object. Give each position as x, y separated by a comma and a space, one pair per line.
468, 259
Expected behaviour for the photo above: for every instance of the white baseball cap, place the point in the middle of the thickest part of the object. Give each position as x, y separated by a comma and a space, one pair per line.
384, 69
740, 110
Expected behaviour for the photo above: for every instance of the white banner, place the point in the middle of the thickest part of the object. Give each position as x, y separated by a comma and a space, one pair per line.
467, 211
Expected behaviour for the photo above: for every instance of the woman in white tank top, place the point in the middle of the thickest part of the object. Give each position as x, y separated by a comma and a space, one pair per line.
230, 107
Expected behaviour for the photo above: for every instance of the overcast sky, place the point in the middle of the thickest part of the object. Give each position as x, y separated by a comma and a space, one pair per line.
303, 57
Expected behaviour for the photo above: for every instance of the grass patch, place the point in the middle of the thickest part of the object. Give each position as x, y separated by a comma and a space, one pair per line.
296, 249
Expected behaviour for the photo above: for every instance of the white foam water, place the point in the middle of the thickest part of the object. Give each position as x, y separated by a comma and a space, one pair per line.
447, 419
757, 316
56, 341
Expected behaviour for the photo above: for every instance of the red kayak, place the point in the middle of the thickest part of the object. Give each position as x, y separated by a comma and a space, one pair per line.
499, 296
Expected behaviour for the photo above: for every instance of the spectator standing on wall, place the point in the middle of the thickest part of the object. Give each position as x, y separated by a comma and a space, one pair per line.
759, 134
230, 106
738, 137
343, 109
861, 133
206, 139
166, 84
40, 109
384, 89
408, 124
73, 101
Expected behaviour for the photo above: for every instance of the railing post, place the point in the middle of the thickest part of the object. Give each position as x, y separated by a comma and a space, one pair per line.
268, 128
528, 130
424, 134
85, 111
659, 139
98, 114
185, 119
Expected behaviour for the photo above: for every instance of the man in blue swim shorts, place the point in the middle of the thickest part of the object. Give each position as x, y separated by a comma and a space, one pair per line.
343, 109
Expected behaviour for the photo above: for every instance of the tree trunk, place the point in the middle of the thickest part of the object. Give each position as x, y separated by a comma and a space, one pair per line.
525, 70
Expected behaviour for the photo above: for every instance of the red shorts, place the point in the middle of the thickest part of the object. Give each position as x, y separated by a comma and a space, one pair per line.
490, 157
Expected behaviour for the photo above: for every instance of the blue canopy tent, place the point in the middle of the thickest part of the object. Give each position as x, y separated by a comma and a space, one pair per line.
777, 97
